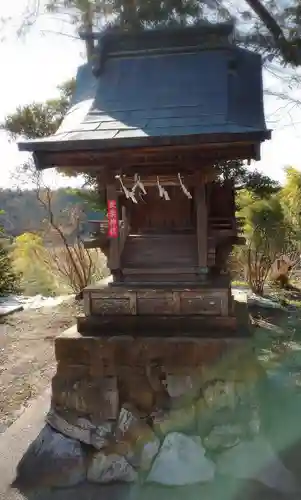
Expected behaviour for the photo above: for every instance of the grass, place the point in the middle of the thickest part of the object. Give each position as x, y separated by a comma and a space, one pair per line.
239, 283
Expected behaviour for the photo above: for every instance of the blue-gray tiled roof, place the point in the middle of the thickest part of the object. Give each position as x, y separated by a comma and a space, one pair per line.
165, 94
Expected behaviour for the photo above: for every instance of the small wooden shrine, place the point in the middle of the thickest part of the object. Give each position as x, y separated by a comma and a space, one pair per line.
152, 119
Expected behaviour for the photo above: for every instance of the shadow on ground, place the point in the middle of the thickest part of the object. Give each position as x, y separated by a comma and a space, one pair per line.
221, 489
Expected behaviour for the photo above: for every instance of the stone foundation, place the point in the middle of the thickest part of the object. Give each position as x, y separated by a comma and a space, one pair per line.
126, 398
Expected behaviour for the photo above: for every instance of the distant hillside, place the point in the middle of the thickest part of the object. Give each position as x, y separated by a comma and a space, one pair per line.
24, 213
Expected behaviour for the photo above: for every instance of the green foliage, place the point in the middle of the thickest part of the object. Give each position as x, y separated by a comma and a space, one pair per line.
27, 256
9, 279
272, 229
128, 15
268, 233
265, 219
291, 198
255, 182
269, 26
38, 120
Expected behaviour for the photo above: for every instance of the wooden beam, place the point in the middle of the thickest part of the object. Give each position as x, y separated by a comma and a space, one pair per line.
100, 162
161, 270
202, 226
114, 254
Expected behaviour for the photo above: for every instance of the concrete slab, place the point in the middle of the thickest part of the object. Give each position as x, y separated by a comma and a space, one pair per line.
15, 441
9, 306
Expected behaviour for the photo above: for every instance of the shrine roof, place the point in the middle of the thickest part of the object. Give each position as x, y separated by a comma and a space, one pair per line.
160, 86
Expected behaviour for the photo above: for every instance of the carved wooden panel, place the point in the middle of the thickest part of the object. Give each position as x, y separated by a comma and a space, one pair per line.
211, 303
155, 305
164, 302
201, 305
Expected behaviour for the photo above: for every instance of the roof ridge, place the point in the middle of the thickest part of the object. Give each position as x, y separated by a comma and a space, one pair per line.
114, 43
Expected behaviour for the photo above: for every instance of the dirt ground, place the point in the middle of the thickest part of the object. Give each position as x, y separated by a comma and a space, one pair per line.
27, 356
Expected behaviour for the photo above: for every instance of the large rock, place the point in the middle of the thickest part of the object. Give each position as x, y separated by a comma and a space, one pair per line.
224, 436
176, 420
52, 460
257, 460
181, 461
80, 428
110, 468
140, 443
220, 394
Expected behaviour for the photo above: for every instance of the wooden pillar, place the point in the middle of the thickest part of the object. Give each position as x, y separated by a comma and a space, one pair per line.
114, 255
202, 227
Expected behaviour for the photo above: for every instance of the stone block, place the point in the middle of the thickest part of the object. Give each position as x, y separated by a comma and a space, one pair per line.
71, 426
80, 428
103, 358
194, 353
175, 420
110, 468
140, 444
87, 396
52, 460
73, 351
72, 372
135, 388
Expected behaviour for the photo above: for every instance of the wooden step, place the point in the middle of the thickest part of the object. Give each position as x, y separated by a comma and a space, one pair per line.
164, 326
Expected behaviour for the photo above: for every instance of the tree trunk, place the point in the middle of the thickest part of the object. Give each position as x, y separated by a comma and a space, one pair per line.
88, 29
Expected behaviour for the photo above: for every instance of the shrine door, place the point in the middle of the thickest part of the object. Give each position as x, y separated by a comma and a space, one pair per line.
153, 214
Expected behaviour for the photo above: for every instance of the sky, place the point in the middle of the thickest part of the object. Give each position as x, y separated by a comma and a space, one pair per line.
33, 65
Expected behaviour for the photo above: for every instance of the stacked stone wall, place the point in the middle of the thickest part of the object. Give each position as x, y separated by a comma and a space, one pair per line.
124, 397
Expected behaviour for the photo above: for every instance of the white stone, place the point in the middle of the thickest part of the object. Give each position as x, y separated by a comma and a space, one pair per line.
181, 461
110, 468
100, 435
178, 385
257, 460
52, 460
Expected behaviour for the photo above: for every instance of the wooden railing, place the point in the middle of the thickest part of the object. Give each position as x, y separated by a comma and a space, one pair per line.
98, 226
101, 229
123, 234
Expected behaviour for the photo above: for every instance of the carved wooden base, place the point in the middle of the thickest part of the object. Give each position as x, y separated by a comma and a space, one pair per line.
210, 298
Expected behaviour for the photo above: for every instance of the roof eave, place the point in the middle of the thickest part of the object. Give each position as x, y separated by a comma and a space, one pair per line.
44, 145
